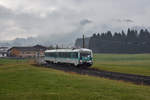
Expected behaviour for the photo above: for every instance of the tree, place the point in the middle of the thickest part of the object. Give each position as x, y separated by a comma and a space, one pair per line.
109, 35
130, 42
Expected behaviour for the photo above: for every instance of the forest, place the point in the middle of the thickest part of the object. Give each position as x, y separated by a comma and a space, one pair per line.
132, 41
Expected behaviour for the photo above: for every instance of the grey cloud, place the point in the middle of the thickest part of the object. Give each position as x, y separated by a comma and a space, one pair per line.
123, 20
128, 20
51, 21
85, 21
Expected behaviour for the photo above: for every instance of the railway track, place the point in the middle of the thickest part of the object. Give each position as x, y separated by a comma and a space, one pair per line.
137, 79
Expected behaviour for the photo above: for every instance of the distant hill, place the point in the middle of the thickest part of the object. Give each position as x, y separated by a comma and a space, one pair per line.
20, 42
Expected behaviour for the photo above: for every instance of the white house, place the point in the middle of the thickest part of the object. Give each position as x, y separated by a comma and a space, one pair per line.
3, 51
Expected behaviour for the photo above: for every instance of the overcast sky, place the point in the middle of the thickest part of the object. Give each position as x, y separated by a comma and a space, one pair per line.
56, 19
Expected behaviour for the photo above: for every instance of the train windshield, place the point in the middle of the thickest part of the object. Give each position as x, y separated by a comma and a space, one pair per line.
85, 54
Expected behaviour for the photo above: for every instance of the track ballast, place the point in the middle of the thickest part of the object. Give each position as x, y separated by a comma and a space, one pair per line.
137, 79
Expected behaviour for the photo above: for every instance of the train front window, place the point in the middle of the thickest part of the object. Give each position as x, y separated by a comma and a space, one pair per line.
85, 54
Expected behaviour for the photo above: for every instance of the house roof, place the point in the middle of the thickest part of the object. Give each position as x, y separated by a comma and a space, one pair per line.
33, 48
3, 47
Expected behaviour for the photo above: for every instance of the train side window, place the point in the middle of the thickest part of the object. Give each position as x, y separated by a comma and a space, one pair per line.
50, 54
46, 54
69, 54
55, 54
59, 54
74, 55
65, 54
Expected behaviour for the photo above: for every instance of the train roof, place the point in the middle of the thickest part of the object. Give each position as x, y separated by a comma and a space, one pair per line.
69, 50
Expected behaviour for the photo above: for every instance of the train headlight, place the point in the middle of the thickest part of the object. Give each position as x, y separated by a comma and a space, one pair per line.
90, 61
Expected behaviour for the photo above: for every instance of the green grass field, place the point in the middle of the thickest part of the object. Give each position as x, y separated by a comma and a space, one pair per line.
124, 63
19, 80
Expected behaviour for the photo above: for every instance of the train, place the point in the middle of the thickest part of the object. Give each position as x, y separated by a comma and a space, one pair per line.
76, 57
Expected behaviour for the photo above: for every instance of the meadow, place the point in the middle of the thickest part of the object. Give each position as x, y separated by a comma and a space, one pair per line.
20, 80
124, 63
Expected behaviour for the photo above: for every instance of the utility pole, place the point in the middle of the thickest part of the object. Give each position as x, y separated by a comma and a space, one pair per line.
56, 46
83, 42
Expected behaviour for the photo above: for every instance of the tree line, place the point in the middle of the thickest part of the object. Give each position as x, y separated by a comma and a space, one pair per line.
131, 41
121, 42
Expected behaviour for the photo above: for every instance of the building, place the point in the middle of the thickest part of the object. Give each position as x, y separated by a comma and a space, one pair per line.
3, 51
27, 52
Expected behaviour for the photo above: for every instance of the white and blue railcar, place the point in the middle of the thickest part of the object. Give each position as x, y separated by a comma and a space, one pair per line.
76, 57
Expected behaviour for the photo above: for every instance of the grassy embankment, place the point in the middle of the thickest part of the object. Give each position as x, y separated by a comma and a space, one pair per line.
21, 81
124, 63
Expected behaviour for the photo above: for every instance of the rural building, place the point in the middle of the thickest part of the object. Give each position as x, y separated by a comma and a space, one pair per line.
27, 52
3, 51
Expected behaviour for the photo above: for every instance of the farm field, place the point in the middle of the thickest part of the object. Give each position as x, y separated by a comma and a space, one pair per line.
19, 80
124, 63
